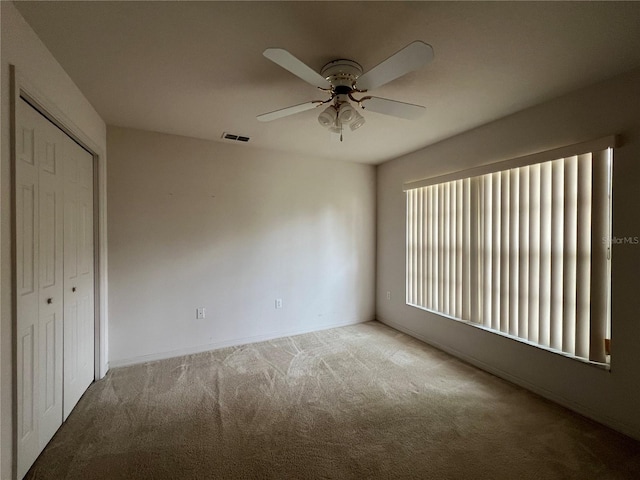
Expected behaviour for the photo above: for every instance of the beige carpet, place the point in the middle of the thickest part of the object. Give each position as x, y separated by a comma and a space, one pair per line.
357, 402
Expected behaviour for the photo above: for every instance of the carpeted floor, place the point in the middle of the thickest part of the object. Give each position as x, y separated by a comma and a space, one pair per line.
359, 402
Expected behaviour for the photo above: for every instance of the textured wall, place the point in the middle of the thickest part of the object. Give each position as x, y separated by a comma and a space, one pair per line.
195, 223
604, 109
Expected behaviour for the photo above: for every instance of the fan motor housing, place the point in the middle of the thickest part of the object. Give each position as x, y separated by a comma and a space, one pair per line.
342, 74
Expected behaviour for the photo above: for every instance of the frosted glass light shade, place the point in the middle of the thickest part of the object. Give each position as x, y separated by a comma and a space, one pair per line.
328, 117
347, 113
357, 122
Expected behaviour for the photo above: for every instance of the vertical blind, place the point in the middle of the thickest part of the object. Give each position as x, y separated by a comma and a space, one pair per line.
522, 250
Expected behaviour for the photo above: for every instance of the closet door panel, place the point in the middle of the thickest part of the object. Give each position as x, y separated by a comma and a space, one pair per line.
86, 268
38, 200
27, 294
78, 272
50, 150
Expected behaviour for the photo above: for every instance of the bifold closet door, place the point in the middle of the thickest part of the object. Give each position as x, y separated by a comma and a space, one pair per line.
78, 275
54, 279
39, 282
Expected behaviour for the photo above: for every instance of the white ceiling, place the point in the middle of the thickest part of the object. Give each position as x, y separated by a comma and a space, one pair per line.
197, 69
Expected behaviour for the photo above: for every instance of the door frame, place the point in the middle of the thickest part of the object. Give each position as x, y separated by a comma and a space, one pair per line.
21, 88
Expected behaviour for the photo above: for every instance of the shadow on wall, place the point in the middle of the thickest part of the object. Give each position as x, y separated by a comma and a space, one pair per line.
195, 223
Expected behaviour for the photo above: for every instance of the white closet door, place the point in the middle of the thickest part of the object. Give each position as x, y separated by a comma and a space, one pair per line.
54, 279
78, 276
39, 250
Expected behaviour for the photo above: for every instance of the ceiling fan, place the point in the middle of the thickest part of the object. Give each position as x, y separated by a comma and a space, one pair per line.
342, 78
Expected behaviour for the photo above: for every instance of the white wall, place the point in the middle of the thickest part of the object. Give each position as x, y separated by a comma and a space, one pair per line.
195, 223
46, 78
608, 108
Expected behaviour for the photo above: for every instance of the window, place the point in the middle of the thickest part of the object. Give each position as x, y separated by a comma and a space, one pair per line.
519, 247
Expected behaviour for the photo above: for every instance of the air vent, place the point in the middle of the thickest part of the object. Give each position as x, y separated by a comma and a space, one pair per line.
234, 137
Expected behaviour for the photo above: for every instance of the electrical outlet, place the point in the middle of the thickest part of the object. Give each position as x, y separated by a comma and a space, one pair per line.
278, 303
388, 295
200, 313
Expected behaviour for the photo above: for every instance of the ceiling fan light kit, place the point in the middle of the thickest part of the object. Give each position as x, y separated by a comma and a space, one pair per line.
340, 113
342, 78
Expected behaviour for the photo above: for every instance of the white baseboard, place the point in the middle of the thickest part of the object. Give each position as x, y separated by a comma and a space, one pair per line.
216, 345
549, 395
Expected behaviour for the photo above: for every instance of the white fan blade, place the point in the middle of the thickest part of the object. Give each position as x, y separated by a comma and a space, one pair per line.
412, 57
393, 107
295, 66
285, 112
